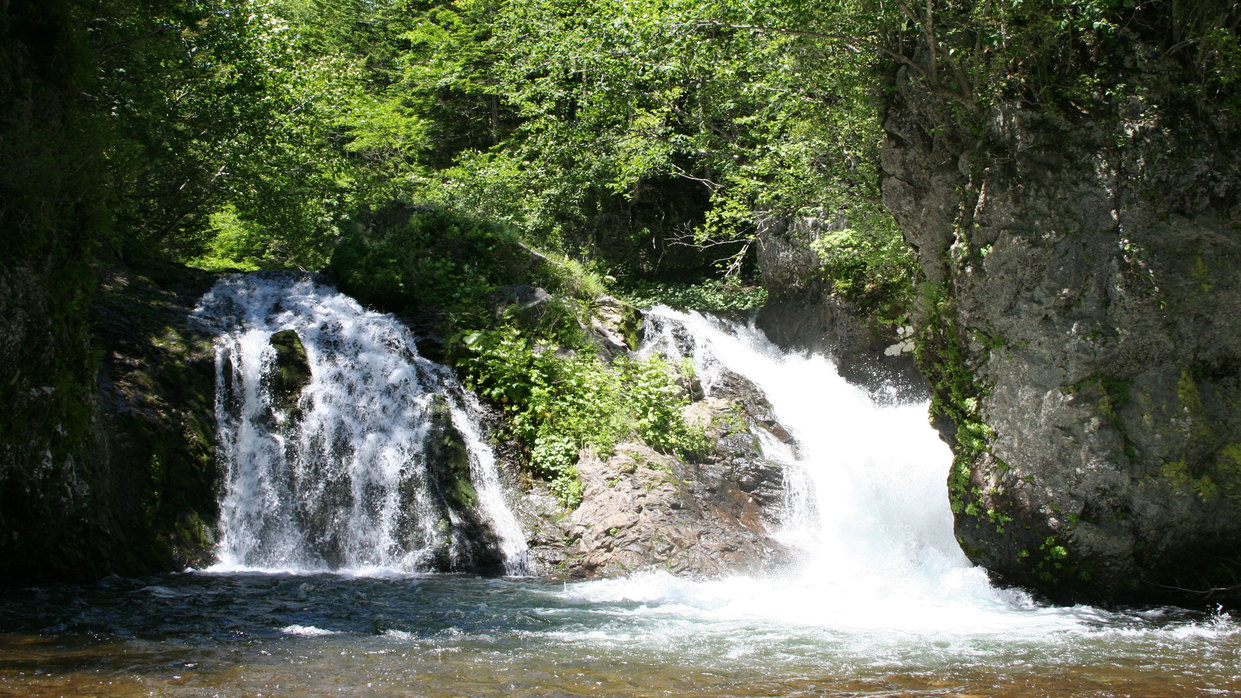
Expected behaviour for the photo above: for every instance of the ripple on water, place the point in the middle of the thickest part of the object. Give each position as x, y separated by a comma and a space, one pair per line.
317, 634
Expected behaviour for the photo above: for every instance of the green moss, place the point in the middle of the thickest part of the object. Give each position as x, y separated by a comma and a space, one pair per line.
452, 458
631, 326
971, 551
1053, 562
955, 397
464, 493
1196, 422
1183, 478
1112, 393
193, 531
292, 369
998, 519
1202, 275
1230, 459
156, 476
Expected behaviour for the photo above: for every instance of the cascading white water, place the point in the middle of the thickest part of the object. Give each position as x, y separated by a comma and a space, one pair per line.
348, 479
868, 503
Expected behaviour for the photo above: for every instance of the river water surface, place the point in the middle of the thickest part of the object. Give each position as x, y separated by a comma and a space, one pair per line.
199, 634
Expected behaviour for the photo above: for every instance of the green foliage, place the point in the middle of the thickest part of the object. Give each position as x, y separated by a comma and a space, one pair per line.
568, 276
571, 122
654, 399
567, 486
422, 259
234, 243
955, 397
554, 407
1072, 58
627, 131
713, 294
558, 405
432, 259
207, 107
632, 131
869, 264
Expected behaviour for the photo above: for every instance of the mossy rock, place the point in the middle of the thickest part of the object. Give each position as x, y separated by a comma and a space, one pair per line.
291, 369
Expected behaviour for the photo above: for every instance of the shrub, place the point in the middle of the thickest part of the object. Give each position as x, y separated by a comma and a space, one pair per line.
557, 405
653, 399
712, 294
434, 259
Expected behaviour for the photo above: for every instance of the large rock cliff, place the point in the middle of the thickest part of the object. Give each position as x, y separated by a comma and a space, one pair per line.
1080, 322
99, 459
125, 483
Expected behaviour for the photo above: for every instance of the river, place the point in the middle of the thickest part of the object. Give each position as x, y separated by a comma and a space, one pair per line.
249, 634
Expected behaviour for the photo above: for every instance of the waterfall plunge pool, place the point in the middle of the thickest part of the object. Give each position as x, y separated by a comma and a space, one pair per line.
202, 633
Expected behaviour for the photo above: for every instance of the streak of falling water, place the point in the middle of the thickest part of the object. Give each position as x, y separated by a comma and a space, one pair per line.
350, 478
867, 505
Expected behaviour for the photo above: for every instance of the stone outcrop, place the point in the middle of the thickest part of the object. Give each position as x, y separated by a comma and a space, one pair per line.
642, 510
610, 324
801, 314
472, 545
132, 489
646, 510
1081, 326
291, 370
156, 417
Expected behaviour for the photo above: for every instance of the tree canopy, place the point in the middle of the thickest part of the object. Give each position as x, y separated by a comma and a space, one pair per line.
646, 135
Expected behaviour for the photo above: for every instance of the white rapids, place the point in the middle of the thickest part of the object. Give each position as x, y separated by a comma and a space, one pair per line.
867, 508
346, 483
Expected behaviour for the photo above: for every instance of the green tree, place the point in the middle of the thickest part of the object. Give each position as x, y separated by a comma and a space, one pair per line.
568, 109
212, 109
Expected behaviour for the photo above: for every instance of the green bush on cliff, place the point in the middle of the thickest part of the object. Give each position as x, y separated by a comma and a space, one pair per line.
405, 258
712, 294
557, 405
654, 400
432, 258
868, 263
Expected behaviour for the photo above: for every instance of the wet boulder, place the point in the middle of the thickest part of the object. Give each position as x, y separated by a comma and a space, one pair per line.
290, 371
646, 510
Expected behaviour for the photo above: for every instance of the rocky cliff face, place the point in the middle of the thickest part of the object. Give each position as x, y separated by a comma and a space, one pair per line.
1080, 322
803, 315
131, 488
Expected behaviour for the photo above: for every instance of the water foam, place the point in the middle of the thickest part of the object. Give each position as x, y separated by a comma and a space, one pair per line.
306, 631
343, 484
867, 508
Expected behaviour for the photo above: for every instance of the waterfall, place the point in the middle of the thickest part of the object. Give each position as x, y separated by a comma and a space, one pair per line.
867, 508
375, 460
